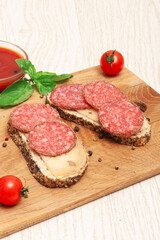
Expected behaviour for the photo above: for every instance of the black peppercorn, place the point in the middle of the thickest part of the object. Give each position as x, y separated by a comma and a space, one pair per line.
4, 144
76, 128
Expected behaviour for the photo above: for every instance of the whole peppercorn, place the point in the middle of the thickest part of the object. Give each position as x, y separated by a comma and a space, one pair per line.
4, 144
99, 159
76, 129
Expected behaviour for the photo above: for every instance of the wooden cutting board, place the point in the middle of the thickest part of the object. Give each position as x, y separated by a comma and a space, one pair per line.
101, 177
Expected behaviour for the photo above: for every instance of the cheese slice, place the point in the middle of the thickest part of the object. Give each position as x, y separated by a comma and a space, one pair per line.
144, 129
89, 113
65, 165
93, 115
77, 114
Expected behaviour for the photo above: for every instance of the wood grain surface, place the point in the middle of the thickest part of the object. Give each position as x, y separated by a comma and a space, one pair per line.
102, 177
70, 35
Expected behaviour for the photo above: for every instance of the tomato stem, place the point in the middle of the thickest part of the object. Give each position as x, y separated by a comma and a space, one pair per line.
110, 59
24, 192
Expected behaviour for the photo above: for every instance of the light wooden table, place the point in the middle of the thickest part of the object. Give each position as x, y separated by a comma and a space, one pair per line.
69, 35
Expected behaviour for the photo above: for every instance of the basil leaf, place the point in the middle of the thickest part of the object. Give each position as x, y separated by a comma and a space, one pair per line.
16, 93
26, 66
45, 85
61, 77
43, 74
45, 81
53, 76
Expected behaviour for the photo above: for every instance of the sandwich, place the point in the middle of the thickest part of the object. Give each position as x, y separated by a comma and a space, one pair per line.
54, 154
102, 107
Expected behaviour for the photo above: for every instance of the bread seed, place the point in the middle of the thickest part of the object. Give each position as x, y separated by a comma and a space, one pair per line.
95, 139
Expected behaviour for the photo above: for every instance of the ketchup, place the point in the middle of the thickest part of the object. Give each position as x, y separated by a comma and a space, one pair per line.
8, 67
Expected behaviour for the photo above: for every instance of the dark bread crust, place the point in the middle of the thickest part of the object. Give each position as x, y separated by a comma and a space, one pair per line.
137, 141
130, 141
34, 169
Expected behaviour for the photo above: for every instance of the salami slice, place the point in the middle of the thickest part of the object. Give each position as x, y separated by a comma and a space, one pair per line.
69, 96
52, 138
25, 117
120, 117
96, 93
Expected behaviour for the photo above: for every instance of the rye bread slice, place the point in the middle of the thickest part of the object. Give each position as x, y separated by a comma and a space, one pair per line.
137, 140
37, 167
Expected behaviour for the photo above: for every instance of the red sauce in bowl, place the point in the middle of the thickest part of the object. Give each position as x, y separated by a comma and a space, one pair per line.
8, 66
9, 69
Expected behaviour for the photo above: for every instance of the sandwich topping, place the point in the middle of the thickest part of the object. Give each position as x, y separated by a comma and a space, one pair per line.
25, 117
120, 117
97, 93
69, 96
52, 138
123, 121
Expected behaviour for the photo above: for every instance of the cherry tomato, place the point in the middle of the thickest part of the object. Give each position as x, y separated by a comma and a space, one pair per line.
112, 62
11, 190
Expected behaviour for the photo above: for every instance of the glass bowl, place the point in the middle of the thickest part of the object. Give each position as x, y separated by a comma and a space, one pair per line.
6, 81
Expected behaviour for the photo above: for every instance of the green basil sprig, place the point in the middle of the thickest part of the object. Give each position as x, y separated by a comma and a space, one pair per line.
21, 90
16, 93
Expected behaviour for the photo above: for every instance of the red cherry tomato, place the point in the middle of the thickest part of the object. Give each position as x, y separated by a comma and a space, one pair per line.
112, 62
11, 190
